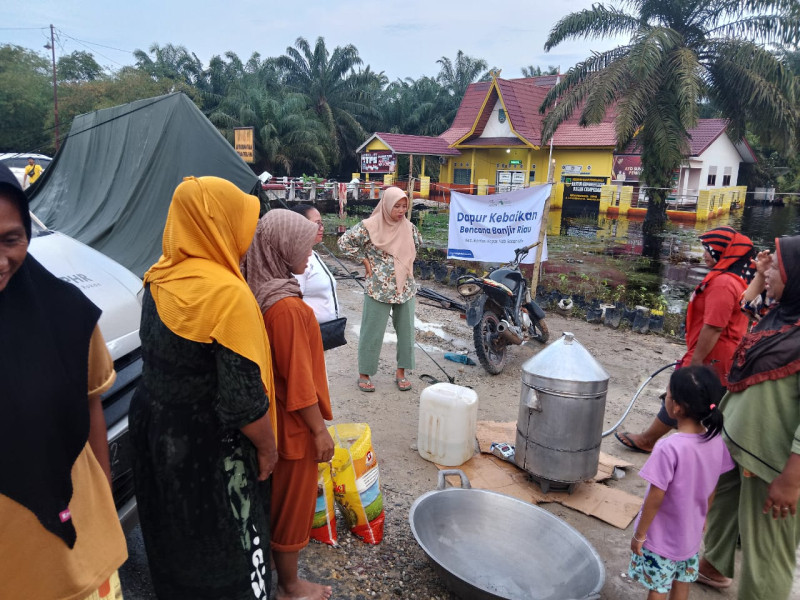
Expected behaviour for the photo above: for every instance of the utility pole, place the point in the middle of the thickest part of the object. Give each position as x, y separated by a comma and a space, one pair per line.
52, 46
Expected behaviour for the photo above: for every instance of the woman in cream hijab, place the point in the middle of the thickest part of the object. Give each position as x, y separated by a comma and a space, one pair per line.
387, 244
201, 421
282, 246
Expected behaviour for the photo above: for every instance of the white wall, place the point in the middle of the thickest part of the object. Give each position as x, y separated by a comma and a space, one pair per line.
720, 154
494, 128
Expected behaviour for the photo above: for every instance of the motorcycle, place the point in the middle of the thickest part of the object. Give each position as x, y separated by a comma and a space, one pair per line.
501, 312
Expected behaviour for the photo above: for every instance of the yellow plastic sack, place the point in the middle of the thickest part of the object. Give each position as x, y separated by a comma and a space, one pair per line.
323, 528
356, 480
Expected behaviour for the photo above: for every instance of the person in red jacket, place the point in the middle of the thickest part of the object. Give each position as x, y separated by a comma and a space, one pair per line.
715, 322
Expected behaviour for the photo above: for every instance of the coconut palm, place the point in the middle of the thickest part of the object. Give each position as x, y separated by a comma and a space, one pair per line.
680, 53
330, 84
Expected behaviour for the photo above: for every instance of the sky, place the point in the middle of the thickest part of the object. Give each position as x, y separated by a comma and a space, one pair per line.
402, 39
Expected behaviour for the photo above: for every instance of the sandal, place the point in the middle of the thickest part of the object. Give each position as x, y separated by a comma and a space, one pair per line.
403, 384
719, 584
624, 438
365, 385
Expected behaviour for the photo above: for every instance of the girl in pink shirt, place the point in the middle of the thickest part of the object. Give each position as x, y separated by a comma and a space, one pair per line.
682, 472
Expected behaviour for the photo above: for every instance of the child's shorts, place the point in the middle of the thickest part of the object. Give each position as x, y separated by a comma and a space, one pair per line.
657, 573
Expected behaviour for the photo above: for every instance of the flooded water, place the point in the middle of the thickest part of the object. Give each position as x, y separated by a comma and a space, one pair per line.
668, 271
676, 269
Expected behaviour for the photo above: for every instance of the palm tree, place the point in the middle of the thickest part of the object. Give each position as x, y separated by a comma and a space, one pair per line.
330, 84
455, 76
416, 107
169, 62
288, 134
680, 53
458, 74
531, 71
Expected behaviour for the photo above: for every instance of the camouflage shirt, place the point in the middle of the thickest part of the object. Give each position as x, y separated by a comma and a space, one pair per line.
382, 285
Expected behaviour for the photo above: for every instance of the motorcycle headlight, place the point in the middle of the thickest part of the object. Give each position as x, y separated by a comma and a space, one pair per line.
468, 288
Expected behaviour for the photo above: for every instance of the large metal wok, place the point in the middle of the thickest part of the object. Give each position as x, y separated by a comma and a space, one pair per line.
491, 546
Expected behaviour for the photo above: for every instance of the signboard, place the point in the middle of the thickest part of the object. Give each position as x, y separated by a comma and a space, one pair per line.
583, 188
627, 168
378, 161
243, 143
490, 228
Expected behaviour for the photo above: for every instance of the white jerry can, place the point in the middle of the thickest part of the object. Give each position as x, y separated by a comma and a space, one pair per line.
447, 417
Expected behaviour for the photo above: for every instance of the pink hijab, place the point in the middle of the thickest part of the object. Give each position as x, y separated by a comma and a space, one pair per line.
393, 237
283, 238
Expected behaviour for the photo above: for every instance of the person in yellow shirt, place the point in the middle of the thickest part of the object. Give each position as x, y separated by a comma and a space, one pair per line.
32, 173
60, 538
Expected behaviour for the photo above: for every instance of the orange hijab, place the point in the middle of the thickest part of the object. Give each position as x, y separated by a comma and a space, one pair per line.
198, 289
393, 237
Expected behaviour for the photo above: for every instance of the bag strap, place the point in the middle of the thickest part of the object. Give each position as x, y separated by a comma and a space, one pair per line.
333, 289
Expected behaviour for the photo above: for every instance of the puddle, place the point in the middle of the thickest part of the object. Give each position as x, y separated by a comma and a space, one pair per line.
437, 329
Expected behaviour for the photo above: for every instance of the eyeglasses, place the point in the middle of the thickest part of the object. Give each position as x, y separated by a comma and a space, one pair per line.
320, 225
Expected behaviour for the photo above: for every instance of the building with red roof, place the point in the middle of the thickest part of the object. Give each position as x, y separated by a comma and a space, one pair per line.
496, 138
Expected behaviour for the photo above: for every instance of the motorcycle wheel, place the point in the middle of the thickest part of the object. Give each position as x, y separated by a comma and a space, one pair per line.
539, 331
491, 350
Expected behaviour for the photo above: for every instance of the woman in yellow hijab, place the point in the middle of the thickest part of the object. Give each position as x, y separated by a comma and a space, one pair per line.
202, 428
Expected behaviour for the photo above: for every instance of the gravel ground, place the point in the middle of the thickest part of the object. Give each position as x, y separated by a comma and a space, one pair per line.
397, 567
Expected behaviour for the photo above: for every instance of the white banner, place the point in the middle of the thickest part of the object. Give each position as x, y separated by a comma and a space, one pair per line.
490, 228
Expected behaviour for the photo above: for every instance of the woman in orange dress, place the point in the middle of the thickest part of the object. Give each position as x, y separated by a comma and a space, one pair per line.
282, 246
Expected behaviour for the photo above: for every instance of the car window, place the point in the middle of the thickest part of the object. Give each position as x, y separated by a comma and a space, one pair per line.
15, 163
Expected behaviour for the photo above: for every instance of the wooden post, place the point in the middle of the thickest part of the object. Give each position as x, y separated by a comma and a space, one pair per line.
542, 233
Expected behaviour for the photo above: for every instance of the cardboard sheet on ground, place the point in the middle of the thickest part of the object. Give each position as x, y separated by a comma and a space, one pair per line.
485, 471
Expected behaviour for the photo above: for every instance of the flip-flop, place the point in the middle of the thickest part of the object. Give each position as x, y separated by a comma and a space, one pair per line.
719, 584
403, 384
365, 385
624, 438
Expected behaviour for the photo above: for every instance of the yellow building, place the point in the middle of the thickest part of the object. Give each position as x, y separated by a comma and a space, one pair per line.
498, 131
495, 144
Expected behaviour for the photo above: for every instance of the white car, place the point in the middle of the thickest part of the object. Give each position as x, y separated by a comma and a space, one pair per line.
18, 161
118, 293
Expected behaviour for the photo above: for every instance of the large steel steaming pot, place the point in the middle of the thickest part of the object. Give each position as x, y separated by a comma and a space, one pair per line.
561, 411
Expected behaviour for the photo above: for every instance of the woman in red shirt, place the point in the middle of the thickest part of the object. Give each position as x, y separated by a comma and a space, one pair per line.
715, 322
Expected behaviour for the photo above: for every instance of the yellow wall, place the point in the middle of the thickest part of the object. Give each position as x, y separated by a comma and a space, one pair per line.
376, 144
601, 162
487, 159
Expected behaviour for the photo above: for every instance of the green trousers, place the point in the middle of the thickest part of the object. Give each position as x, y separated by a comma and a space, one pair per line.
769, 545
374, 317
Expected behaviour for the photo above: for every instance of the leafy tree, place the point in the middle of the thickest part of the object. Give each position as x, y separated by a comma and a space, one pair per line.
329, 83
126, 85
26, 100
78, 66
679, 53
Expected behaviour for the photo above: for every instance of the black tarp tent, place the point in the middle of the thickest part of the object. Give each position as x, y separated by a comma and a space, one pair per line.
111, 182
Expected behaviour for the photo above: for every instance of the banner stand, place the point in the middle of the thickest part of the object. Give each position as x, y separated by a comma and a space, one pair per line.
542, 233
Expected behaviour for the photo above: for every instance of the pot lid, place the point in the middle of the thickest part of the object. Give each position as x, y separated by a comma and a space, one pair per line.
565, 360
